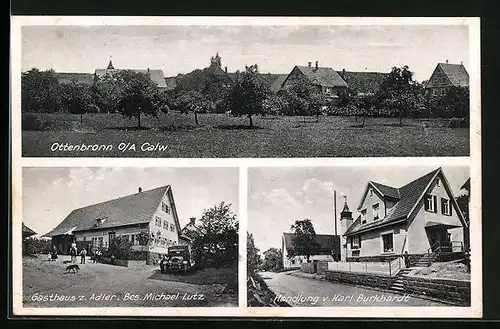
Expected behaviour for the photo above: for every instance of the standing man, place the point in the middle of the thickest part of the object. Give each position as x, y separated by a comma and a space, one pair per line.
83, 255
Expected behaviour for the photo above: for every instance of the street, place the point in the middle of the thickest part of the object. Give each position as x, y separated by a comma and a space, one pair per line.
48, 284
306, 292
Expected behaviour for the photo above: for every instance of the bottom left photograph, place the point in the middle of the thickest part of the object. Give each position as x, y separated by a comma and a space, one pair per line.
129, 237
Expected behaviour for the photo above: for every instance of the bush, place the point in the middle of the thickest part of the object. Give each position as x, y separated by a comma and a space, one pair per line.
31, 121
36, 246
138, 255
458, 123
120, 247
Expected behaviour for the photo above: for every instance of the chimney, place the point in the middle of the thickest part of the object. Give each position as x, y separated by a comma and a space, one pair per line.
225, 69
309, 64
148, 70
316, 65
140, 189
446, 61
192, 220
461, 63
343, 73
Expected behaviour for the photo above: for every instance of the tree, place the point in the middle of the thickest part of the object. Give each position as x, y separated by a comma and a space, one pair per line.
398, 93
273, 260
192, 101
143, 238
304, 239
274, 104
456, 102
364, 106
138, 95
107, 89
253, 257
78, 99
218, 243
40, 91
247, 95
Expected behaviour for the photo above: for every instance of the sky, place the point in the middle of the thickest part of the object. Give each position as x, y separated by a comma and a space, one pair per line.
280, 196
50, 194
276, 49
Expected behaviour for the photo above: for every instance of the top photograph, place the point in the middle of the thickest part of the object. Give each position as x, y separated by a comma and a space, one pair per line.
245, 89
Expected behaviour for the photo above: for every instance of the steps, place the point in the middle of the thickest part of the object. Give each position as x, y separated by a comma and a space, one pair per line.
398, 284
425, 260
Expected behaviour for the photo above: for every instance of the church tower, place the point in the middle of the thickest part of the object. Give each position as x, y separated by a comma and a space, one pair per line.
216, 61
110, 65
345, 223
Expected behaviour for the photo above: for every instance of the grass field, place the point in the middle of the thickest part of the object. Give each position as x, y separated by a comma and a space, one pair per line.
43, 278
220, 135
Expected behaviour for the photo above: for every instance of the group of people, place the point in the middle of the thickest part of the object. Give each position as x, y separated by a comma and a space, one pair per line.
73, 252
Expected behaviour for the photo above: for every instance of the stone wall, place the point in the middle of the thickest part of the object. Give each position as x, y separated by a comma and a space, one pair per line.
371, 280
322, 267
453, 291
307, 267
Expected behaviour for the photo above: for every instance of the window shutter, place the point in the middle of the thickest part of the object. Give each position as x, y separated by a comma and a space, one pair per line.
426, 204
451, 208
442, 205
435, 203
359, 237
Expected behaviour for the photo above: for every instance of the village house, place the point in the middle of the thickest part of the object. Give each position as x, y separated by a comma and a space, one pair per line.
152, 212
329, 250
445, 76
363, 83
27, 232
420, 218
90, 78
325, 79
191, 229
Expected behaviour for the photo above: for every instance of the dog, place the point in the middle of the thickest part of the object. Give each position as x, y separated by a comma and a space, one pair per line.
75, 268
67, 262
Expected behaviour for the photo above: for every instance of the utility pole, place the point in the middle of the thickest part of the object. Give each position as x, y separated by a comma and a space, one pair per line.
335, 209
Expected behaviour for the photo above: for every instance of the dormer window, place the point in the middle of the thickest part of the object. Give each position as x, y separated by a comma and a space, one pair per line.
375, 211
363, 216
99, 221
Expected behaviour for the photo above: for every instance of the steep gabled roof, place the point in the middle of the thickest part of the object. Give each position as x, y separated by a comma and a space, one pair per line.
387, 191
155, 75
27, 231
278, 82
409, 196
326, 242
456, 74
322, 76
66, 77
363, 82
137, 208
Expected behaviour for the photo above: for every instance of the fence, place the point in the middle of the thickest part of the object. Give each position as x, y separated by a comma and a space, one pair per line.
381, 268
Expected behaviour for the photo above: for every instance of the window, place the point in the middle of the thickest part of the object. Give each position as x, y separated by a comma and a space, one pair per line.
99, 244
165, 207
438, 182
375, 211
370, 192
158, 221
172, 228
430, 203
84, 238
387, 242
356, 242
165, 224
445, 207
132, 239
363, 216
355, 253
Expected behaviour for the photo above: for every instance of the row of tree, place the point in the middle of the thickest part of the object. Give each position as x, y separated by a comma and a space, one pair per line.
132, 94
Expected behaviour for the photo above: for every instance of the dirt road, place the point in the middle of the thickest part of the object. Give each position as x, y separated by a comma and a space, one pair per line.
47, 284
305, 292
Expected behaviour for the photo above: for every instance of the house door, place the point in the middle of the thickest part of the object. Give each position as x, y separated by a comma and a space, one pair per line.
438, 237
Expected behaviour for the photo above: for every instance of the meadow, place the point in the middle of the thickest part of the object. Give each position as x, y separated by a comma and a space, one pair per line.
225, 136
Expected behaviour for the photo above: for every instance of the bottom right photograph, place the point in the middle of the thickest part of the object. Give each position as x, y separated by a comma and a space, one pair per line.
359, 236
